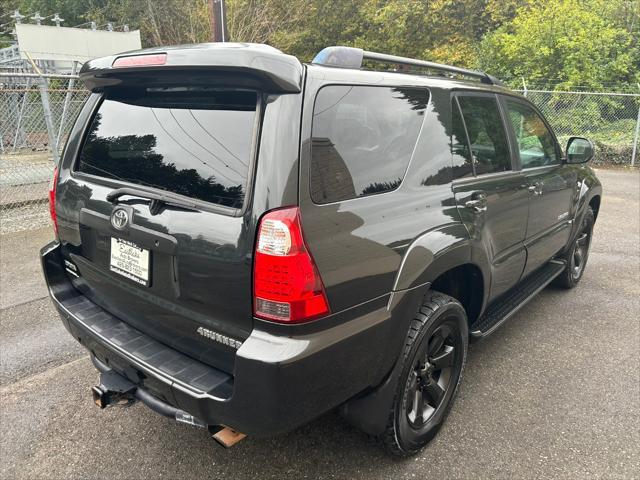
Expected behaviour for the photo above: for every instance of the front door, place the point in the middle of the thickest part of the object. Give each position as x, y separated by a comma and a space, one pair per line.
550, 183
493, 202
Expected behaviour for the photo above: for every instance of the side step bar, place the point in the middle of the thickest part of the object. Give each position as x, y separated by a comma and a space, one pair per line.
509, 303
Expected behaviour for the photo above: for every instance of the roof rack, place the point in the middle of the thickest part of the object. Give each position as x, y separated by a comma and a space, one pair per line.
350, 57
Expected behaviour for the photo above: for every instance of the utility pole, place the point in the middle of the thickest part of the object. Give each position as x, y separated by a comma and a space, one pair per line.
218, 19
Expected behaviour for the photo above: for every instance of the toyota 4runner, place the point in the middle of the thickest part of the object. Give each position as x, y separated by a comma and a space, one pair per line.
246, 241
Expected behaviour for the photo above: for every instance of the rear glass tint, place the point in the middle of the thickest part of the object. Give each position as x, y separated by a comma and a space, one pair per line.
363, 139
462, 160
192, 142
486, 134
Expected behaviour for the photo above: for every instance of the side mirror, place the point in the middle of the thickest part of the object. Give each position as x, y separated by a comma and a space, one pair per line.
579, 150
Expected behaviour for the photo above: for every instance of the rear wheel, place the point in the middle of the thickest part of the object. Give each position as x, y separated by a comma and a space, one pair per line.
433, 360
576, 257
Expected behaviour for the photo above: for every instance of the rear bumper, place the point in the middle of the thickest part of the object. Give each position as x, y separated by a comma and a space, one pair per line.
279, 382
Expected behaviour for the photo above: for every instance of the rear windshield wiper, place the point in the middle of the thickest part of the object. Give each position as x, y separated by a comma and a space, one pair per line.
157, 199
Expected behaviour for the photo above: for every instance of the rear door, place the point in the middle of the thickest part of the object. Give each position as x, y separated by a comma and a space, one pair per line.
493, 202
551, 184
153, 214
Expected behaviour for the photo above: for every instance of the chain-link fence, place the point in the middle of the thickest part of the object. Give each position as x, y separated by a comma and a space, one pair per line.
610, 120
37, 112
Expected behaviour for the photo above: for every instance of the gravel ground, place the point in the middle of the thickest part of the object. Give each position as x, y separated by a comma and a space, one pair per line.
554, 393
25, 168
24, 179
24, 218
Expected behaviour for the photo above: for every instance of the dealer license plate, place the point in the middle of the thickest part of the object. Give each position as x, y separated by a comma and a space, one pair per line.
130, 260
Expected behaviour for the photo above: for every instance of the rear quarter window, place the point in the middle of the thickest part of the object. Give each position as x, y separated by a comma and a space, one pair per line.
362, 139
193, 142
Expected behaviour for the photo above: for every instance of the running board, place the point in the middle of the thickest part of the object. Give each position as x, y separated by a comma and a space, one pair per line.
510, 302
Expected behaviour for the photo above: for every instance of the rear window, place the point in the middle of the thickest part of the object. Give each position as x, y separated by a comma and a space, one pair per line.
363, 139
193, 142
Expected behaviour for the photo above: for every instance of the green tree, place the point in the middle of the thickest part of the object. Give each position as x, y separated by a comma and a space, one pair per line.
565, 42
323, 23
267, 21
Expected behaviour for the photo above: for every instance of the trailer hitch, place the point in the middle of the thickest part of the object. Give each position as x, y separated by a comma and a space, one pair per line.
113, 389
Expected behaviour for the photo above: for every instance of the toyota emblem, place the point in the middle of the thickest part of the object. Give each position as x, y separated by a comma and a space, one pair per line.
119, 218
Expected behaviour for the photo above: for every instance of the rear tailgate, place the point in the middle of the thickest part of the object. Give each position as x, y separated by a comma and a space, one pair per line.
155, 210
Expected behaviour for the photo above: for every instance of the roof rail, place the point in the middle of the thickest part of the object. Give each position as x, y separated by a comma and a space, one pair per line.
350, 57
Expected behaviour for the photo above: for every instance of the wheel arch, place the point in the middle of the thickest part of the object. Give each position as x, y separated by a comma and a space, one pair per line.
594, 203
465, 284
447, 260
432, 259
589, 195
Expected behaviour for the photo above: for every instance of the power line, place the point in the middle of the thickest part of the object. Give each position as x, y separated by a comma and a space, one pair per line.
202, 146
216, 140
334, 103
186, 149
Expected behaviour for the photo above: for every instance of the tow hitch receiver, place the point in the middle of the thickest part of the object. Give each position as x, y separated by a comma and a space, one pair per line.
114, 389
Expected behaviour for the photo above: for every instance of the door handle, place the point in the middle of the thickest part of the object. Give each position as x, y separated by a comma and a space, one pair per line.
536, 188
478, 204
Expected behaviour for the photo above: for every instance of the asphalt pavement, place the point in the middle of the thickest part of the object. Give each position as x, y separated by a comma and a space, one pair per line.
555, 392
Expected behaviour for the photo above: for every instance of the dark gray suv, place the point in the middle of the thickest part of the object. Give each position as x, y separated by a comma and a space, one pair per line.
244, 242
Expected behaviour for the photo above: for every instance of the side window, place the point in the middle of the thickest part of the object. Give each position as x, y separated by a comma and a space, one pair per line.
486, 134
362, 139
535, 142
462, 160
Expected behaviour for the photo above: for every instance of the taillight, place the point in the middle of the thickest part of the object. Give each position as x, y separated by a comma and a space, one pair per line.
146, 60
286, 284
52, 200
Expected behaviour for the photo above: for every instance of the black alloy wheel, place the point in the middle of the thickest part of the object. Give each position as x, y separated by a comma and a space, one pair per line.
430, 379
578, 253
431, 367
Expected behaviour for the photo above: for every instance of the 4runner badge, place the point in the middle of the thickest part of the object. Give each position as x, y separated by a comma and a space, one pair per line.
223, 339
119, 218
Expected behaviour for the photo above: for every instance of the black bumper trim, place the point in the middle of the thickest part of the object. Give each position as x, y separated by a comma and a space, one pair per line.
143, 351
280, 381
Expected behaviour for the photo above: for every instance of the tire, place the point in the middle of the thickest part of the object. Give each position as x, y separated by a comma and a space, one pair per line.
578, 254
425, 393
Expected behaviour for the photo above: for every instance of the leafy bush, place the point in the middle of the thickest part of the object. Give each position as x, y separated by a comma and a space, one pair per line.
608, 154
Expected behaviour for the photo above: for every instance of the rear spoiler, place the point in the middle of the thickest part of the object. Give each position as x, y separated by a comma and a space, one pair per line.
239, 64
